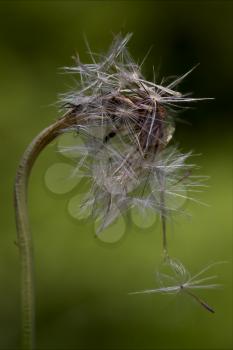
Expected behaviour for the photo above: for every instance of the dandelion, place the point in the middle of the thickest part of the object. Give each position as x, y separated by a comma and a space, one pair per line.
179, 280
126, 124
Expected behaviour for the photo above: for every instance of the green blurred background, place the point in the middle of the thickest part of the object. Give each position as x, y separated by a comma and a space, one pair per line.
81, 283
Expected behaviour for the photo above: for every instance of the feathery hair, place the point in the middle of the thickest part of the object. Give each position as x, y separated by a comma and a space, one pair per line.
128, 125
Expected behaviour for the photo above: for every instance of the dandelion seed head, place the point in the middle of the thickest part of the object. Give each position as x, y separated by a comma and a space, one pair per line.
127, 125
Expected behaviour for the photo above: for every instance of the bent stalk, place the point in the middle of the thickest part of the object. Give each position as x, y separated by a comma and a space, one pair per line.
24, 239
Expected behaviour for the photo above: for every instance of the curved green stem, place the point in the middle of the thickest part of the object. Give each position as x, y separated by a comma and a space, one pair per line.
24, 239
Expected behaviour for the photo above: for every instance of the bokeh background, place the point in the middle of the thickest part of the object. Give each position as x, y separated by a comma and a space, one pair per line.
82, 283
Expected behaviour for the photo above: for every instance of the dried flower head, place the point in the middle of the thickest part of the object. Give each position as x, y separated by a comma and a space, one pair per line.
127, 125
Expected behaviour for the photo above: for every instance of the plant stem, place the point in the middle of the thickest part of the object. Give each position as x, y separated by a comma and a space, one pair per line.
161, 181
24, 239
200, 301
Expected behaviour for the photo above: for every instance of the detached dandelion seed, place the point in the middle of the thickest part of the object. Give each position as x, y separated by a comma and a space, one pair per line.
179, 280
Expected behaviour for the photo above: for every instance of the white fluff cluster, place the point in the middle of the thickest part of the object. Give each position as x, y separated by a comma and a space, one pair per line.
126, 125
